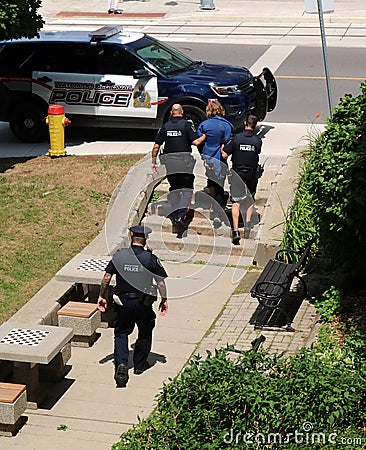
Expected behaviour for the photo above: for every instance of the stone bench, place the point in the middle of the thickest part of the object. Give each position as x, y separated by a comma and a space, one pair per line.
13, 402
83, 318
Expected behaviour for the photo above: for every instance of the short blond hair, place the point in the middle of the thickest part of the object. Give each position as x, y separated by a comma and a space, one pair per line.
215, 109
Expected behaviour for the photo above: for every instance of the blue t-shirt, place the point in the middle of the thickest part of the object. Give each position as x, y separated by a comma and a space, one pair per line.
218, 131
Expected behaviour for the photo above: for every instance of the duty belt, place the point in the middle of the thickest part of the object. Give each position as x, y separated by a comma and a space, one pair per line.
128, 295
243, 169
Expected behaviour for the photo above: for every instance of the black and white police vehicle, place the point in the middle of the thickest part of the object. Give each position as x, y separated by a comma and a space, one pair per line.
113, 78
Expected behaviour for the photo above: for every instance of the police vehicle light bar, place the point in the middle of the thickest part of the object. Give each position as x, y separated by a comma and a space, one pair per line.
104, 33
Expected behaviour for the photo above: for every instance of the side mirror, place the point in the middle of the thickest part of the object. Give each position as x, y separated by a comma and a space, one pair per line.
142, 73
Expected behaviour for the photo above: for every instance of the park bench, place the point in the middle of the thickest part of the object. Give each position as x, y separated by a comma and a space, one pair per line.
273, 285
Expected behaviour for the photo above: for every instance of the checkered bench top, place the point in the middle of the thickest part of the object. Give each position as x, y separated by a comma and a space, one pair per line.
93, 265
22, 336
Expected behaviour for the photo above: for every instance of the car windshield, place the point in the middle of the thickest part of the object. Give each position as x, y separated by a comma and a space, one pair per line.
165, 58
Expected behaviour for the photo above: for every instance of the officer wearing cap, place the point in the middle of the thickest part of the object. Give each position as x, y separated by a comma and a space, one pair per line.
136, 269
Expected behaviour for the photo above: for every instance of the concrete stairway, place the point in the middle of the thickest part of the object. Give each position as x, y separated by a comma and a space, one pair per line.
203, 243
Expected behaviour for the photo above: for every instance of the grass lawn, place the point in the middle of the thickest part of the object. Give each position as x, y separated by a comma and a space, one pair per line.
50, 209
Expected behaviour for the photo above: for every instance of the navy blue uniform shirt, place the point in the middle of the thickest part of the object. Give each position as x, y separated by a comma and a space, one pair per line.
148, 260
244, 149
177, 134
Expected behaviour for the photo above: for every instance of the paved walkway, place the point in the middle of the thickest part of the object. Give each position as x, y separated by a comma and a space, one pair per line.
232, 21
86, 411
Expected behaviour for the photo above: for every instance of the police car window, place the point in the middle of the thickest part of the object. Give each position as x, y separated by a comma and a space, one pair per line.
13, 57
167, 59
60, 57
116, 60
70, 58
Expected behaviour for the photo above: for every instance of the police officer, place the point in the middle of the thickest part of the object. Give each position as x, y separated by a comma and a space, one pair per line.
244, 148
135, 269
177, 135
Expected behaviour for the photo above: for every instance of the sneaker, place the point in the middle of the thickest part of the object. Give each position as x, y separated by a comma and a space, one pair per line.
118, 11
236, 238
144, 367
121, 375
110, 11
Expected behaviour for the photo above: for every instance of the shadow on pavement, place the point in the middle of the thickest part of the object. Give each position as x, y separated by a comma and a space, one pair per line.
55, 391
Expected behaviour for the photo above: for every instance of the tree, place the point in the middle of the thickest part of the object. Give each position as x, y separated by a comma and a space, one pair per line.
19, 18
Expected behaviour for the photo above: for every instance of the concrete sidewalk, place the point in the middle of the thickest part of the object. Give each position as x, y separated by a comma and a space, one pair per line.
345, 11
245, 21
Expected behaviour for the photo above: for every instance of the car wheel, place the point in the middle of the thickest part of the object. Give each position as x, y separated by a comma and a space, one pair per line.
27, 122
194, 114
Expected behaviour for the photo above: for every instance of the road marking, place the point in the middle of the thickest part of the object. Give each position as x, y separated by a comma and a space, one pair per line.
272, 58
311, 77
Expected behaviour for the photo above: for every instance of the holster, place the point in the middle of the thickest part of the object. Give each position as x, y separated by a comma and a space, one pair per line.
149, 296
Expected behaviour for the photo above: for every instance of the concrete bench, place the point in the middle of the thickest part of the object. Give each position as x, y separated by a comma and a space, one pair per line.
83, 318
13, 402
28, 346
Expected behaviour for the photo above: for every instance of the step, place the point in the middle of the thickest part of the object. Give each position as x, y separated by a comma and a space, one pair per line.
234, 261
193, 243
201, 224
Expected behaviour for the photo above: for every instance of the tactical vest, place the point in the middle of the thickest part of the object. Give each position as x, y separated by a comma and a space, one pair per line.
176, 137
135, 276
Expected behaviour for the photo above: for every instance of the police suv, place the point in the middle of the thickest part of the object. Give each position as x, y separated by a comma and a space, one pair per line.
112, 78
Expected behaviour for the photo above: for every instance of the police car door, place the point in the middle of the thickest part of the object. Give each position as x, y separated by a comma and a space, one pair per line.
64, 76
120, 94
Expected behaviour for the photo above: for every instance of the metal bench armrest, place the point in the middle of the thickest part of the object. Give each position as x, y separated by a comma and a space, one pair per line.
267, 296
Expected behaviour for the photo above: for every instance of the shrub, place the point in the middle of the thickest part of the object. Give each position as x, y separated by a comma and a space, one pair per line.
331, 198
216, 401
330, 305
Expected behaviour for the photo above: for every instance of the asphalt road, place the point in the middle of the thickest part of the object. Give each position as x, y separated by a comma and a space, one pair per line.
300, 75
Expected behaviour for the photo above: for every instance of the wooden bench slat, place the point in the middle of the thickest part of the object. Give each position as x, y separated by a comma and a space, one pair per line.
78, 309
9, 392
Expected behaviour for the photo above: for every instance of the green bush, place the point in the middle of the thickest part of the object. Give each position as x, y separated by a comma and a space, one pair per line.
331, 200
256, 397
329, 305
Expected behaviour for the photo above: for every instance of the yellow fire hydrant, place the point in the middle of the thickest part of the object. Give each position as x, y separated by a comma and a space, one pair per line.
56, 122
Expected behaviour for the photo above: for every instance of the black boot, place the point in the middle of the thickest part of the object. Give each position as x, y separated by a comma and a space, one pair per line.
121, 375
236, 238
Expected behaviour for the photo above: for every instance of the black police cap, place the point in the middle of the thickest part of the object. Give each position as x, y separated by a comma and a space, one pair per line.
140, 230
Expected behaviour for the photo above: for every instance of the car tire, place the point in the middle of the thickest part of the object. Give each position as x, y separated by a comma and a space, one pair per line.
195, 114
27, 122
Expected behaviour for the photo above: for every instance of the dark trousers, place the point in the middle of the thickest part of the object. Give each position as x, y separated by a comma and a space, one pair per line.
181, 191
130, 314
219, 192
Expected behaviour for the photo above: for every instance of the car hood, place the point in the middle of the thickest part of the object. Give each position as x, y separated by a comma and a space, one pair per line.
218, 74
